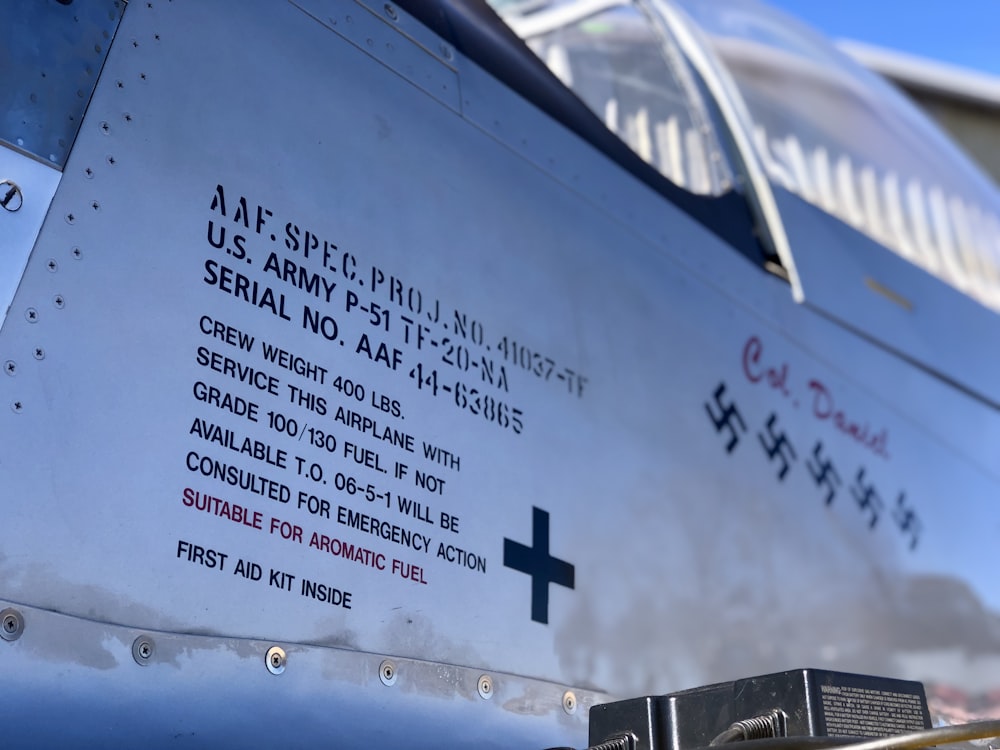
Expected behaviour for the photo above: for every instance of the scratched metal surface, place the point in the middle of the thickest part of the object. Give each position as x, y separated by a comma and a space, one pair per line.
33, 185
737, 484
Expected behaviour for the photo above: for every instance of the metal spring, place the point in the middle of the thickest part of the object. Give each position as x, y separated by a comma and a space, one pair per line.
757, 728
616, 743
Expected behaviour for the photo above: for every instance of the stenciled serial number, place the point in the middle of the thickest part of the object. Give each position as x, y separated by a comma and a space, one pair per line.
470, 399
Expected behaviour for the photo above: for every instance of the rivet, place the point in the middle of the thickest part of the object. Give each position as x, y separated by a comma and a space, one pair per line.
446, 51
31, 315
39, 353
11, 624
59, 302
485, 687
391, 12
275, 660
10, 367
569, 702
387, 672
142, 650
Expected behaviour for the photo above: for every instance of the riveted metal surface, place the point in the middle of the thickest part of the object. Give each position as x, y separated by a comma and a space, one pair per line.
562, 402
212, 689
52, 57
485, 687
11, 624
569, 702
275, 660
36, 184
379, 35
142, 650
387, 672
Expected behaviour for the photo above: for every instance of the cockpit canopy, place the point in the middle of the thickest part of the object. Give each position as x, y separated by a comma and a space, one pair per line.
820, 125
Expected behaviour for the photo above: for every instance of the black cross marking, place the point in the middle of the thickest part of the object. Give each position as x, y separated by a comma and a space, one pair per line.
539, 564
823, 472
907, 520
726, 417
779, 446
867, 497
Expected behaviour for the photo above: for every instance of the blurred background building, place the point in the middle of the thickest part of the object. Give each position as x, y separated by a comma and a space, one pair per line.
964, 102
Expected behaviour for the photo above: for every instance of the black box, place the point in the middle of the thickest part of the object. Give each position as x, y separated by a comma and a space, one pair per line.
802, 702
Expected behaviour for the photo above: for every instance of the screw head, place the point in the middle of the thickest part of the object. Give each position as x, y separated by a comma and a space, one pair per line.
52, 265
275, 660
31, 315
11, 624
569, 702
76, 253
16, 406
59, 302
10, 367
142, 650
39, 353
485, 687
387, 672
390, 12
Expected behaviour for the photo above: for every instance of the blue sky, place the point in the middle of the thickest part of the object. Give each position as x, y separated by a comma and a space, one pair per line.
960, 32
